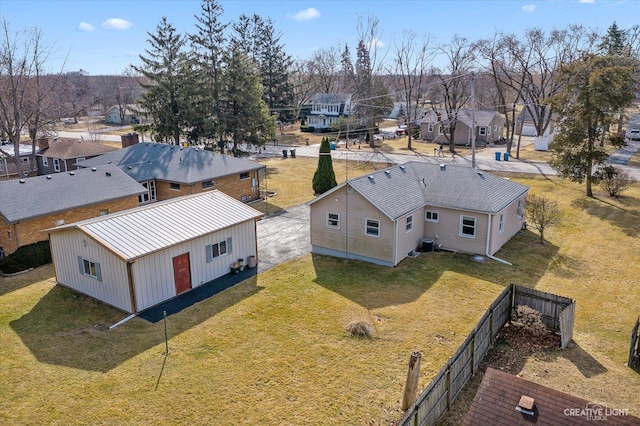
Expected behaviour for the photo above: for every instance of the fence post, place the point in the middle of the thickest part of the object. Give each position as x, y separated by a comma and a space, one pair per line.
448, 383
491, 327
411, 387
473, 350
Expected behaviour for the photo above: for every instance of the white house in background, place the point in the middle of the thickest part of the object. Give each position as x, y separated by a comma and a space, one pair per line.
525, 125
113, 115
327, 109
386, 215
138, 258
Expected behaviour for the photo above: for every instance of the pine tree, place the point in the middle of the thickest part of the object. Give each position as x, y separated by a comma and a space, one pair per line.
614, 42
165, 100
324, 178
245, 116
207, 50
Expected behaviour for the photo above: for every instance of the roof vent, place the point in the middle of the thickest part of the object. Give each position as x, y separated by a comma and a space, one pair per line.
22, 181
49, 177
402, 168
387, 172
72, 173
108, 173
130, 167
480, 173
370, 178
424, 182
93, 169
443, 166
526, 404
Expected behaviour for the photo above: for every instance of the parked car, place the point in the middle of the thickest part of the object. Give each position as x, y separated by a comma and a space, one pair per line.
70, 120
633, 134
402, 131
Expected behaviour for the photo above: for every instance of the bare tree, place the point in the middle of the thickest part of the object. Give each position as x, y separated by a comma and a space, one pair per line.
303, 82
325, 66
454, 88
412, 59
25, 90
542, 213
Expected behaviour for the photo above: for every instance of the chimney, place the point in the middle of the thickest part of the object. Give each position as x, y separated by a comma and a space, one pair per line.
43, 143
129, 139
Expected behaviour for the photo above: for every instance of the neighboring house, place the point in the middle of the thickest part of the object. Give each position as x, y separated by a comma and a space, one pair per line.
34, 204
386, 215
327, 109
499, 402
526, 127
61, 154
113, 115
141, 257
169, 171
489, 126
8, 169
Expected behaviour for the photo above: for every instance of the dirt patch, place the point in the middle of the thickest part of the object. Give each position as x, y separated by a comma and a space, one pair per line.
514, 345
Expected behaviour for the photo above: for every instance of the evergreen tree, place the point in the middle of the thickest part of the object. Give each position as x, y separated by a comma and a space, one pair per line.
324, 178
614, 42
591, 86
165, 100
245, 116
207, 50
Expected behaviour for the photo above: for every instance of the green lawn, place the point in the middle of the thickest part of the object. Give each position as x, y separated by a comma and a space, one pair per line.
273, 350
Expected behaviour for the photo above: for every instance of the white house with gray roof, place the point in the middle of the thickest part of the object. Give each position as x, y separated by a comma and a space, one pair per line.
141, 257
327, 109
386, 215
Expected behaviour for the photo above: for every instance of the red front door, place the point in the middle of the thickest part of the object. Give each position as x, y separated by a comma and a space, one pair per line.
182, 273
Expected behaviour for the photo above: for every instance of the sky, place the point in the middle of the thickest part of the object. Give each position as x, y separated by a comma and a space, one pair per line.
106, 37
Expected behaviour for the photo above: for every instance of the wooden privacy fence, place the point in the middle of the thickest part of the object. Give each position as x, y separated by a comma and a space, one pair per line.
557, 313
634, 348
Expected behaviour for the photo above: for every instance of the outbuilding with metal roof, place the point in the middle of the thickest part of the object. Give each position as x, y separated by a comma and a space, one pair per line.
141, 257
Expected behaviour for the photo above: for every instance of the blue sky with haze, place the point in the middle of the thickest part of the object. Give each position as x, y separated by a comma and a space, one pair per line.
105, 37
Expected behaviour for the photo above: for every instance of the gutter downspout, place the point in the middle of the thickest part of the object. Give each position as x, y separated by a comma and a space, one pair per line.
489, 240
132, 293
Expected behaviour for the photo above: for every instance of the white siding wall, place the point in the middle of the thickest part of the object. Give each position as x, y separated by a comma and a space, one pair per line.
153, 274
67, 245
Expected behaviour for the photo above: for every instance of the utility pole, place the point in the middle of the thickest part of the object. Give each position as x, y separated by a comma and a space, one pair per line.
473, 120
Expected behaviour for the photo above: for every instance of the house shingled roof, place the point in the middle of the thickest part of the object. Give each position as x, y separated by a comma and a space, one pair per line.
172, 163
65, 149
402, 189
37, 196
330, 98
499, 394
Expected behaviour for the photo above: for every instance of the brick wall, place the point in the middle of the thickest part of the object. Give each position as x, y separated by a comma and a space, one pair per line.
231, 185
29, 231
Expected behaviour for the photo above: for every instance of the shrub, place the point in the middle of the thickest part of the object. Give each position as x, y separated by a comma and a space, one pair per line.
530, 320
614, 180
32, 255
359, 329
324, 178
10, 266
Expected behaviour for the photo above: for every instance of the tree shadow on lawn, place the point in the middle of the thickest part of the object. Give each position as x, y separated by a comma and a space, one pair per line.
70, 329
626, 217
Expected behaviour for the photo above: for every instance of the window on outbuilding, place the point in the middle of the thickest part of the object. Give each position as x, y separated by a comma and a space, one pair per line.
372, 227
89, 268
333, 220
218, 249
501, 227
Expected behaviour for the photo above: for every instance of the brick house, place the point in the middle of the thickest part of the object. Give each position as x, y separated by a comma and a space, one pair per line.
31, 205
61, 154
169, 171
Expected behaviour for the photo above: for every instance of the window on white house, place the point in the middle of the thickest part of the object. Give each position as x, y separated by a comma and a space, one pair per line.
218, 249
431, 216
174, 186
45, 161
56, 164
409, 224
244, 175
501, 227
372, 227
89, 268
333, 220
483, 131
468, 226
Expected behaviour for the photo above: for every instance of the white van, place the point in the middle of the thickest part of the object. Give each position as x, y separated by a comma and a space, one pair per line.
632, 133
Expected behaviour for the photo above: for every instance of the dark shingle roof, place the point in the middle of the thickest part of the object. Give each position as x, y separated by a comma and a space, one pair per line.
188, 165
330, 98
399, 190
74, 148
481, 118
499, 394
42, 195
